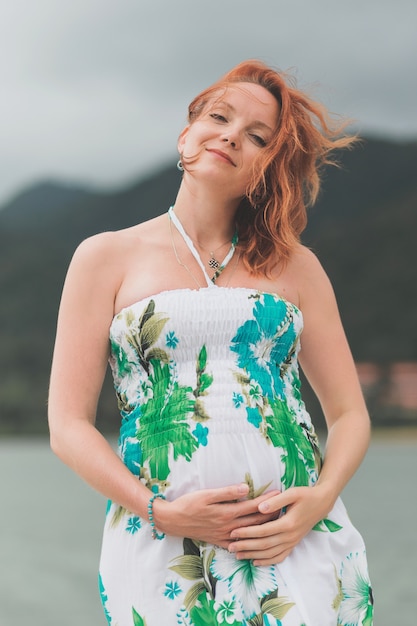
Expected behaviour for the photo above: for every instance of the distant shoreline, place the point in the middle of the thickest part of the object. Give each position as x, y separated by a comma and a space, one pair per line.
395, 433
407, 433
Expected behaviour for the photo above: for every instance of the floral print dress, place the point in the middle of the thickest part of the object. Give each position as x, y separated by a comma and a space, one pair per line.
209, 393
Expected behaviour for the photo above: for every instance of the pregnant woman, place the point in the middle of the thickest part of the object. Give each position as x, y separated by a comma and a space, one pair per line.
222, 508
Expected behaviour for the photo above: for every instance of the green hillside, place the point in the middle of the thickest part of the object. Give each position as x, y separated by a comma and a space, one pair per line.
362, 228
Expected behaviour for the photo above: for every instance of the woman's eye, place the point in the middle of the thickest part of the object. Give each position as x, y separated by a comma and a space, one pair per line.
218, 117
260, 141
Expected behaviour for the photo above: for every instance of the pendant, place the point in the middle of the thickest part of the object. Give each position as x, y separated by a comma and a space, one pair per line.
213, 263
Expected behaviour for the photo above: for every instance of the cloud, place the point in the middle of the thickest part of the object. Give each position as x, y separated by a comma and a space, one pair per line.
98, 91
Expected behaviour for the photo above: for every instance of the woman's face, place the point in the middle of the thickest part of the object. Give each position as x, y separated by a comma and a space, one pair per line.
233, 128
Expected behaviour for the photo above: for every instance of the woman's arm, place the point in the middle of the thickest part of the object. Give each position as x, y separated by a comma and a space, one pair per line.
78, 369
328, 364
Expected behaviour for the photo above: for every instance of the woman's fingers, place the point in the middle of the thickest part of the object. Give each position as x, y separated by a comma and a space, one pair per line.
269, 545
272, 560
236, 493
278, 501
270, 542
231, 493
212, 514
270, 549
231, 503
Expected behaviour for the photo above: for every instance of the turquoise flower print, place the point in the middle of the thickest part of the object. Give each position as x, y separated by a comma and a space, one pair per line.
237, 399
356, 607
183, 617
172, 590
171, 340
129, 447
263, 343
200, 432
104, 599
133, 525
225, 611
254, 417
245, 581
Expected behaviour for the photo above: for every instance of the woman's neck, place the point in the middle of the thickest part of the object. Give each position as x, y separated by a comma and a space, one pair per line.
209, 221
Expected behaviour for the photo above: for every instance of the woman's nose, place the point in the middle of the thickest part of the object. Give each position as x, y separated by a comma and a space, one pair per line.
230, 140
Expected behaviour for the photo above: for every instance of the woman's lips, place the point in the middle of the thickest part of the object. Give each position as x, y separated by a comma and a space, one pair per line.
222, 154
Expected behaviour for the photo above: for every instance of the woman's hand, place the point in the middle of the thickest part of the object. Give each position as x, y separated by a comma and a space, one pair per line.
273, 541
212, 515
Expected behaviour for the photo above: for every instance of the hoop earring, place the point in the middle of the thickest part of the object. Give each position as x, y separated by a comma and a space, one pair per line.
180, 166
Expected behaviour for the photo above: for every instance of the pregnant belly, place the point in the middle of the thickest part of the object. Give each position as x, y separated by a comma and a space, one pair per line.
228, 459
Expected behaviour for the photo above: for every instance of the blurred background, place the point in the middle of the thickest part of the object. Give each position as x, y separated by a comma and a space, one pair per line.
93, 96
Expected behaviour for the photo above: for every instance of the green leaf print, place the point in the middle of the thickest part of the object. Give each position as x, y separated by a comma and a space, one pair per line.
277, 607
200, 414
254, 493
204, 614
204, 379
202, 359
143, 335
137, 619
368, 619
124, 364
339, 596
256, 620
189, 566
164, 423
157, 354
117, 516
299, 457
327, 525
204, 382
193, 594
195, 565
163, 415
271, 605
150, 326
192, 547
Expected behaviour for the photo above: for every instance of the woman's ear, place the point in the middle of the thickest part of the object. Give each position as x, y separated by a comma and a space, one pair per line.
181, 139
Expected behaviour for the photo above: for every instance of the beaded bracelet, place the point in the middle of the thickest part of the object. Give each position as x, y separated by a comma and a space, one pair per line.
155, 533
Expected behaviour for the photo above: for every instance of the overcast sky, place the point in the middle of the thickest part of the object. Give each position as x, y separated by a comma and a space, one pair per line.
96, 91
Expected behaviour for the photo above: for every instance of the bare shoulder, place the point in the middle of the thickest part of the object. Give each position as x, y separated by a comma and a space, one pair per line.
311, 278
97, 248
307, 265
109, 248
304, 260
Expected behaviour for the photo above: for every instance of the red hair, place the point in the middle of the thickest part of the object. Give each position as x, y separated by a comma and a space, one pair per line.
286, 175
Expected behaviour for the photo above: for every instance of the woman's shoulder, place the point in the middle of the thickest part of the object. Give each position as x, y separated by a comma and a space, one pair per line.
310, 275
307, 272
305, 263
105, 247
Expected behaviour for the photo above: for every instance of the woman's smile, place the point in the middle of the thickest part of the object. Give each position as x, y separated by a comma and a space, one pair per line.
222, 155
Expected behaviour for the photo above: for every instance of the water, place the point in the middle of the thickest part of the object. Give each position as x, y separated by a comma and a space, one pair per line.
50, 533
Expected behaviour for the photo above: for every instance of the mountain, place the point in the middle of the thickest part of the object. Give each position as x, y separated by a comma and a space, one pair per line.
362, 228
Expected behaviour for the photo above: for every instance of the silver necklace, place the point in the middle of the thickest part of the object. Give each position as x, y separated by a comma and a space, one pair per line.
213, 262
188, 241
178, 258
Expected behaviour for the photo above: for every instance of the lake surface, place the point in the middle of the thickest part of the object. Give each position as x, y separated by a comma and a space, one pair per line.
51, 522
